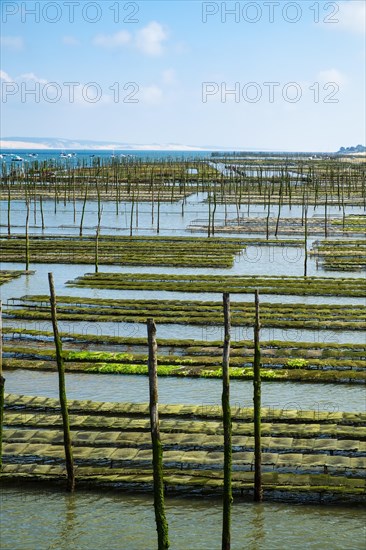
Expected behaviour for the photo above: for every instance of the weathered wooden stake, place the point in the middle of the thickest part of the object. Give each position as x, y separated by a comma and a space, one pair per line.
158, 221
268, 214
82, 213
258, 491
306, 241
132, 207
27, 238
62, 390
226, 416
213, 214
209, 215
97, 232
159, 506
2, 385
326, 216
41, 209
9, 207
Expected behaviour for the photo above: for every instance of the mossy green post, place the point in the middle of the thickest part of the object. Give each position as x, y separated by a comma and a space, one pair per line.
268, 215
62, 390
258, 491
100, 212
2, 385
9, 207
158, 221
82, 213
306, 242
27, 238
226, 415
41, 209
131, 216
159, 506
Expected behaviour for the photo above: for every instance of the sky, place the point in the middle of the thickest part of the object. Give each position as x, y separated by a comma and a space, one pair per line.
279, 76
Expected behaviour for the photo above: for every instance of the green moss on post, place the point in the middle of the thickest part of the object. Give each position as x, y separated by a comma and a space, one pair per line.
62, 391
226, 415
27, 238
9, 207
306, 242
41, 209
258, 491
83, 212
100, 212
2, 386
159, 506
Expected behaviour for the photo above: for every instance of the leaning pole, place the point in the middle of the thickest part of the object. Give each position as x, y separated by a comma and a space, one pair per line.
62, 391
226, 417
258, 491
157, 449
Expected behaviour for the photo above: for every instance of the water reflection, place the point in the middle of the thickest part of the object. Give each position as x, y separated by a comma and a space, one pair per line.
205, 392
42, 518
67, 525
257, 535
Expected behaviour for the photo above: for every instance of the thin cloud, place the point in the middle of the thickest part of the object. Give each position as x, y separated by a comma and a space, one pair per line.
169, 77
70, 41
5, 77
151, 95
112, 40
150, 39
33, 78
332, 75
14, 43
351, 17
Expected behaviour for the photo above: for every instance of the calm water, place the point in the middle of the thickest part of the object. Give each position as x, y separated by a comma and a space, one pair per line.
37, 283
174, 217
134, 388
38, 518
206, 333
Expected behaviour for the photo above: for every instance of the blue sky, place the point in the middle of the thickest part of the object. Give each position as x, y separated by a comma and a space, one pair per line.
156, 72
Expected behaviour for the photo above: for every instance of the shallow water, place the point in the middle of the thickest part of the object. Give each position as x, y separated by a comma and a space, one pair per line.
174, 217
135, 388
39, 518
194, 332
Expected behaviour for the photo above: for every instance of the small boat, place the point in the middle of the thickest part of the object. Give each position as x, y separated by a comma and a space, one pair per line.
16, 158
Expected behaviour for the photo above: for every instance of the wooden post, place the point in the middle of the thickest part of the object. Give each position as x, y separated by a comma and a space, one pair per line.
82, 213
213, 214
100, 212
41, 209
258, 492
279, 209
326, 216
27, 238
160, 518
209, 214
268, 214
2, 385
226, 416
132, 207
306, 241
9, 207
62, 390
158, 221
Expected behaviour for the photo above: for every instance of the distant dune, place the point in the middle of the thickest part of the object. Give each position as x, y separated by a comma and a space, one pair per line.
60, 143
